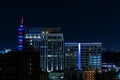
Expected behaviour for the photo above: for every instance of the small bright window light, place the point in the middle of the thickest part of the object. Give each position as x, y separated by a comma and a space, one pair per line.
43, 32
21, 25
20, 45
30, 40
49, 55
53, 77
30, 37
46, 32
20, 40
89, 48
39, 37
62, 77
68, 49
20, 29
27, 37
119, 75
34, 36
30, 43
20, 36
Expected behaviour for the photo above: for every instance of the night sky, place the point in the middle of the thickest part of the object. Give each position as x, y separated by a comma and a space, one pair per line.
80, 21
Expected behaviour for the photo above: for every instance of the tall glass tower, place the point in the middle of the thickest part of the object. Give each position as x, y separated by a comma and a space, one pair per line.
50, 43
21, 35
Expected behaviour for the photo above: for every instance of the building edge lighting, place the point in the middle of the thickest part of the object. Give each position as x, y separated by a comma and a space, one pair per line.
79, 56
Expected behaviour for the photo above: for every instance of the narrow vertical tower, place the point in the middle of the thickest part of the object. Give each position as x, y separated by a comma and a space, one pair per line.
21, 35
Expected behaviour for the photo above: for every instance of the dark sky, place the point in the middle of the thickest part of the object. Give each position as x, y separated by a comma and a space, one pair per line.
81, 21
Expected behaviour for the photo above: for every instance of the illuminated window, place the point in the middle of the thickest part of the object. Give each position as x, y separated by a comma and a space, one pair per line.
20, 40
46, 32
20, 36
43, 32
30, 40
21, 25
34, 37
90, 49
20, 45
30, 43
38, 37
30, 37
20, 29
68, 49
27, 37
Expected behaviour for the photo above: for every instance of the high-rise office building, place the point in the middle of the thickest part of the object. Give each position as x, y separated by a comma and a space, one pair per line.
83, 55
71, 55
91, 59
91, 56
50, 43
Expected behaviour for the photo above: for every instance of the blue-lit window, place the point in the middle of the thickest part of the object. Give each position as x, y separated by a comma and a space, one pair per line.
20, 45
21, 25
94, 57
20, 36
20, 29
98, 59
119, 75
20, 40
20, 48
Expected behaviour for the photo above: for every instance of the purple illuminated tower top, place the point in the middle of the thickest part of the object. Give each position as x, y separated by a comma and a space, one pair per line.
21, 35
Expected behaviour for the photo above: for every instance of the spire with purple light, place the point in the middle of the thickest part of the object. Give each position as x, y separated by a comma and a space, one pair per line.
21, 35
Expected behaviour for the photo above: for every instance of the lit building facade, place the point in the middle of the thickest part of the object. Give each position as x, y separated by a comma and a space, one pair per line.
91, 56
50, 43
91, 59
83, 55
71, 55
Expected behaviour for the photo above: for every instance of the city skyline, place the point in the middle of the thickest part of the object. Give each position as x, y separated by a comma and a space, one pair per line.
82, 21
